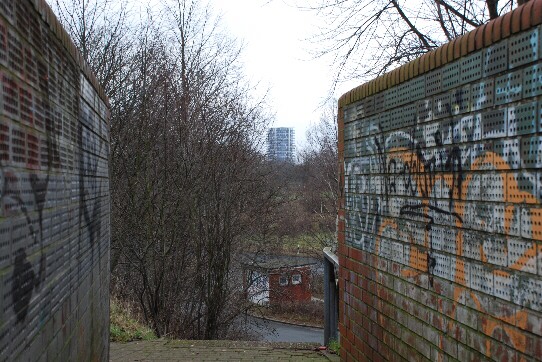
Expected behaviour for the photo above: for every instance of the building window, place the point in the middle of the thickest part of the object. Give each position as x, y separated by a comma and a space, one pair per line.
296, 279
283, 280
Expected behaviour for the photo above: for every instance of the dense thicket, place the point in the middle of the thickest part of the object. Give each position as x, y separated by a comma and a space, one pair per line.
189, 187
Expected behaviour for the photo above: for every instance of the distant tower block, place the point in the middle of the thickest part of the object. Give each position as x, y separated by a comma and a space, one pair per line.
281, 144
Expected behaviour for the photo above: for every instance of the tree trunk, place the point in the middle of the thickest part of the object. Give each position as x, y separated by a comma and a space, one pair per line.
492, 7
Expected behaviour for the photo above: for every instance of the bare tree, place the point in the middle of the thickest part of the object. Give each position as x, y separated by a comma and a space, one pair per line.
189, 188
320, 167
101, 31
367, 38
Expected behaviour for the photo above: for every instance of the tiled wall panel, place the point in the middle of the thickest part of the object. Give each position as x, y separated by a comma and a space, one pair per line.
54, 193
440, 220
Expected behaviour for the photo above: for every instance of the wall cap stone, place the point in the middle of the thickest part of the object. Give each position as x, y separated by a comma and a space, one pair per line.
522, 18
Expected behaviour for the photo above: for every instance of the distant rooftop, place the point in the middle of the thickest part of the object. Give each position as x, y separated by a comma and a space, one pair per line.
276, 261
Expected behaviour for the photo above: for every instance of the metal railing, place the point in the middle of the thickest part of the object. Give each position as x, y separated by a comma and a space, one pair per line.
331, 296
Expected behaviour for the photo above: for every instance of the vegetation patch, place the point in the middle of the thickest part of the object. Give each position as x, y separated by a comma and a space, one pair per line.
334, 346
124, 327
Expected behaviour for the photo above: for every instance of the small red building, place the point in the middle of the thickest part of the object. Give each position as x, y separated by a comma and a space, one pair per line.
273, 279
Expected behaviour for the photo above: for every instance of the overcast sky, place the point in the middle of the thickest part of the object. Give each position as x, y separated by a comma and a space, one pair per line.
277, 54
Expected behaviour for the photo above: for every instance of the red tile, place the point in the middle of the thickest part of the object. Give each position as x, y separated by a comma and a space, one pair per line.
402, 73
438, 57
526, 15
497, 29
506, 29
450, 52
488, 33
432, 59
416, 67
424, 63
464, 44
444, 54
536, 12
457, 47
471, 36
516, 19
479, 39
427, 65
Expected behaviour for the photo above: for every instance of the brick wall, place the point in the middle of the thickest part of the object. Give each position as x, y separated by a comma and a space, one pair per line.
440, 221
54, 198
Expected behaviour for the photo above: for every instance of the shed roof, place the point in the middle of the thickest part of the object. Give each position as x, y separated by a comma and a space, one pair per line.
269, 262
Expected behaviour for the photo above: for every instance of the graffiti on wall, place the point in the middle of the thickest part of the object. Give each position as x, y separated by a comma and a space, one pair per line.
53, 176
449, 185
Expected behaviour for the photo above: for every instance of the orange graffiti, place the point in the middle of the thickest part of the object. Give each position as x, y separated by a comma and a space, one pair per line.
417, 260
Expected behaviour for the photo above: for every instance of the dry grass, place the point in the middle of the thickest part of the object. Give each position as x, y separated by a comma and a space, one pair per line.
124, 327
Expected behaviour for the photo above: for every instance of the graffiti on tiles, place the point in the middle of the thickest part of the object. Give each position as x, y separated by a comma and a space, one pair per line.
442, 176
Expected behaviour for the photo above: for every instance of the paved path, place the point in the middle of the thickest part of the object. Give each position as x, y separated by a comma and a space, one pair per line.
164, 350
274, 331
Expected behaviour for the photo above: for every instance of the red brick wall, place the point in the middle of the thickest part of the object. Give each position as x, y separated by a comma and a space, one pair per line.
290, 293
444, 263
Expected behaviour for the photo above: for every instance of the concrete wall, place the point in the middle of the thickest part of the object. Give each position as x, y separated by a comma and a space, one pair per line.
440, 220
54, 193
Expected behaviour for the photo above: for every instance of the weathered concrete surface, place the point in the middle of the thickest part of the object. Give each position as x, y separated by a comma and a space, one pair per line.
164, 350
